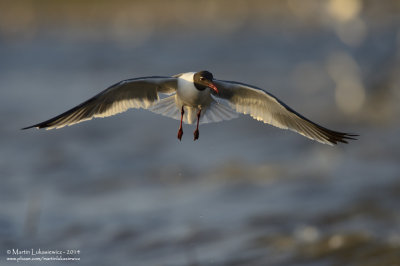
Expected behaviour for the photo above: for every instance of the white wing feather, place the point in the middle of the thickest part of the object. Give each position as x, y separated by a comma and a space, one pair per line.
131, 93
265, 107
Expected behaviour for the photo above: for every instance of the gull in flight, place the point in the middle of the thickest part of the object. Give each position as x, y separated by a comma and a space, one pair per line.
195, 97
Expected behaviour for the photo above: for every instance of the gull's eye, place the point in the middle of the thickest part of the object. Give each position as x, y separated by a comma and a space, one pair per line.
202, 78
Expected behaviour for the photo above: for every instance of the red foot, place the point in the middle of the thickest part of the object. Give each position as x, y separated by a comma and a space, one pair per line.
196, 134
180, 133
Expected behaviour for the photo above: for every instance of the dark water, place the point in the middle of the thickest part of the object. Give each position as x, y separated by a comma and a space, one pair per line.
125, 191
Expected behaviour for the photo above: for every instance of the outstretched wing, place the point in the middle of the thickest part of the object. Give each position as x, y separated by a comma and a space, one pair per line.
265, 107
126, 94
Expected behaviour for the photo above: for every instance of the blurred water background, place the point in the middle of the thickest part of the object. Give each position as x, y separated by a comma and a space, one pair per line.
125, 191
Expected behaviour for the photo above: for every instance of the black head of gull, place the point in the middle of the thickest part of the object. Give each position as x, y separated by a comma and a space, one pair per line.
195, 97
203, 80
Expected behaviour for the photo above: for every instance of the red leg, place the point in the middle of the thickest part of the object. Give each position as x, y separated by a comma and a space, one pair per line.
196, 132
180, 131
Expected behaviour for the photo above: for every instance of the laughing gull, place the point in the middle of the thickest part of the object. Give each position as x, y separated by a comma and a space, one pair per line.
195, 97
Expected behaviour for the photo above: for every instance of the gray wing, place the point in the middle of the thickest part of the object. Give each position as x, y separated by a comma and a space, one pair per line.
126, 94
265, 107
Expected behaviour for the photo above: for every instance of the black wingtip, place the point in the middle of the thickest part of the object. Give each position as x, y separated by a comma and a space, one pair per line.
336, 137
27, 127
36, 126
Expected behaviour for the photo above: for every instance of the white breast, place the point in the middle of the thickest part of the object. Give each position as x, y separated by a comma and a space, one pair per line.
189, 95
